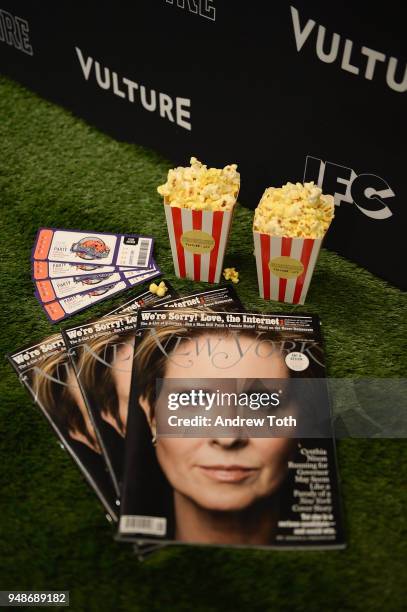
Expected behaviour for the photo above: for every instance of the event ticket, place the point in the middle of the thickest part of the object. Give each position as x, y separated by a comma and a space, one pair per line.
60, 309
141, 278
50, 289
42, 270
144, 272
102, 249
55, 269
53, 288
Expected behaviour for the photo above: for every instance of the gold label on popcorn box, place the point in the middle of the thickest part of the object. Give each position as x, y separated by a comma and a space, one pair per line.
286, 267
197, 241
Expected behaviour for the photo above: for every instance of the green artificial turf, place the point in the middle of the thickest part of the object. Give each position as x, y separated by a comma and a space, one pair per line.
57, 171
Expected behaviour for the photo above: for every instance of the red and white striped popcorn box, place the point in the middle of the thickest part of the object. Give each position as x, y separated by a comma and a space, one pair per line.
198, 241
285, 266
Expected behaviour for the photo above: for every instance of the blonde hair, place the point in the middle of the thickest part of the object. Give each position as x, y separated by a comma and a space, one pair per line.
95, 375
50, 387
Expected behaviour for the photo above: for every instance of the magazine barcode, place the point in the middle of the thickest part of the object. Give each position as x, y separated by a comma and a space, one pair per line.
151, 525
143, 252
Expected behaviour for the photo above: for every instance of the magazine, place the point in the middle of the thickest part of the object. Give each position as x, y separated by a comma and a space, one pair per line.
255, 469
220, 298
102, 354
44, 369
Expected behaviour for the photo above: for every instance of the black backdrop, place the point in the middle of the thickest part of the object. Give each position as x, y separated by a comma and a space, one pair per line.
251, 88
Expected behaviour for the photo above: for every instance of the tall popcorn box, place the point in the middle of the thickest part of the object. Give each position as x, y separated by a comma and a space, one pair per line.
198, 241
285, 266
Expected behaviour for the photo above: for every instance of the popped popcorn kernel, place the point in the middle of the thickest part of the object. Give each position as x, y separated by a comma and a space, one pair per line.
231, 274
198, 187
159, 290
294, 211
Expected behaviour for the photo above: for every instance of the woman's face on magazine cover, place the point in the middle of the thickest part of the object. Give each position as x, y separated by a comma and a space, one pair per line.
225, 474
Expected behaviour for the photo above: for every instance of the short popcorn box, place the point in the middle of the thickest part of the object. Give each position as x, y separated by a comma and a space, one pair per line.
285, 266
198, 241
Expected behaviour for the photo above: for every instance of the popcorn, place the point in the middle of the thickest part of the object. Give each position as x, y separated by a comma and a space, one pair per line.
231, 274
200, 188
160, 289
294, 211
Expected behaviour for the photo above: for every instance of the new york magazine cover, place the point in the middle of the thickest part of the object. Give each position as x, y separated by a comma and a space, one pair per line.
229, 435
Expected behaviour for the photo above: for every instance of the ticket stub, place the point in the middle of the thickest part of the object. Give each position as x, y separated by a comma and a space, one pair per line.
152, 270
42, 270
50, 289
55, 288
98, 248
61, 309
141, 278
141, 272
55, 269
